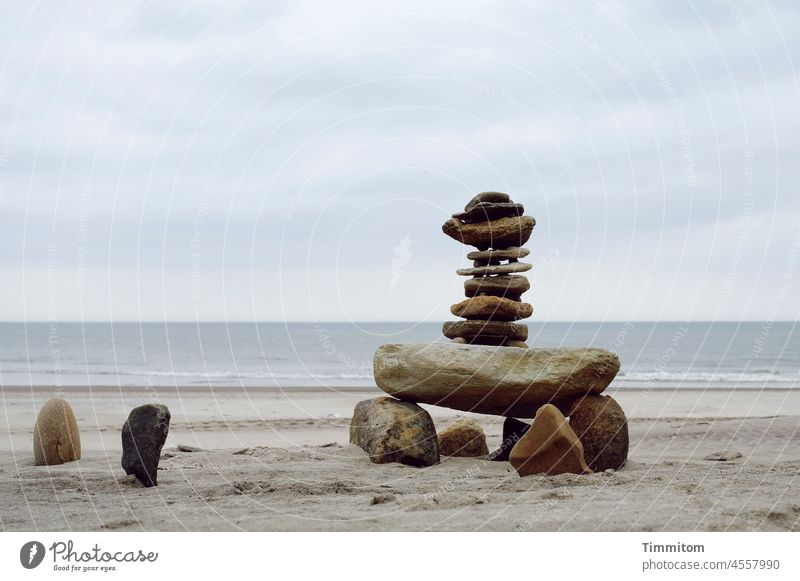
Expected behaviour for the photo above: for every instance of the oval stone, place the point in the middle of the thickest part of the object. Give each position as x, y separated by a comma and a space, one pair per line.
510, 287
485, 332
492, 309
55, 435
602, 428
493, 197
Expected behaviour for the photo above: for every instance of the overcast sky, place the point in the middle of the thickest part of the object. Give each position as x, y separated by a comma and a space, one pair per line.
295, 161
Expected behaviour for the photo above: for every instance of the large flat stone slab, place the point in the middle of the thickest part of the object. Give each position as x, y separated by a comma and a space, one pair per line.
502, 381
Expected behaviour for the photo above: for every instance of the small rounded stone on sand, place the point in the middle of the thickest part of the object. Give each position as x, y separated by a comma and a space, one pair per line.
56, 439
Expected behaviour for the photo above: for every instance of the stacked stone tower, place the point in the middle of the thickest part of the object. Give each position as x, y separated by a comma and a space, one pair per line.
496, 226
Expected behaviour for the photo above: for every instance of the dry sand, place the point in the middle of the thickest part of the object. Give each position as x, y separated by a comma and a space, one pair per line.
281, 461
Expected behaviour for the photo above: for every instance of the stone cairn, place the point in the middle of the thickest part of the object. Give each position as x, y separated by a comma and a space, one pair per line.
496, 226
478, 372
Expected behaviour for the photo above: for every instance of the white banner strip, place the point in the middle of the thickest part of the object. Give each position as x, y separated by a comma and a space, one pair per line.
387, 556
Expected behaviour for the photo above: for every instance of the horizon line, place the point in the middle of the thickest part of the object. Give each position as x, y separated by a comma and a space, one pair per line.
295, 322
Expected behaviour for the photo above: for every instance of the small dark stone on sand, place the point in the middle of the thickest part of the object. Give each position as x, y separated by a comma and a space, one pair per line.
513, 430
186, 448
143, 436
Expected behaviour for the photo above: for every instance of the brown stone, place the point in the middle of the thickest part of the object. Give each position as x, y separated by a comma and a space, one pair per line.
602, 427
55, 435
464, 438
515, 343
485, 332
510, 287
550, 447
390, 430
504, 254
492, 309
485, 211
501, 233
510, 268
492, 197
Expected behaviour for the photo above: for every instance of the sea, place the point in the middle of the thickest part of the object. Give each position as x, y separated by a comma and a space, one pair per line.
759, 355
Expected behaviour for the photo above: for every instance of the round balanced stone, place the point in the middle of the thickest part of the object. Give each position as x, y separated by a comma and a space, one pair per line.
602, 428
492, 380
510, 287
492, 197
510, 268
504, 254
492, 309
390, 430
485, 211
464, 438
55, 435
485, 332
501, 233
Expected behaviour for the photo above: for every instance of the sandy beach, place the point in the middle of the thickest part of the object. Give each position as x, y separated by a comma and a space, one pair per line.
280, 461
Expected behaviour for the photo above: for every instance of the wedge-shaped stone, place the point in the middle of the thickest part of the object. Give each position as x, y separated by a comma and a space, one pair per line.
492, 309
550, 447
485, 332
513, 231
491, 380
510, 287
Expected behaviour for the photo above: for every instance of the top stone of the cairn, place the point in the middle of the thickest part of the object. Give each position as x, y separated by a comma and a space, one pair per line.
491, 197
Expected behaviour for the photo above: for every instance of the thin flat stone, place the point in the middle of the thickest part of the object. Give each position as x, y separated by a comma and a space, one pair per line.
492, 380
510, 268
492, 309
510, 287
494, 197
505, 254
485, 211
487, 332
498, 234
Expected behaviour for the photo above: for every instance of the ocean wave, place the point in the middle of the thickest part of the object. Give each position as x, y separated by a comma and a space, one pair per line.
709, 376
